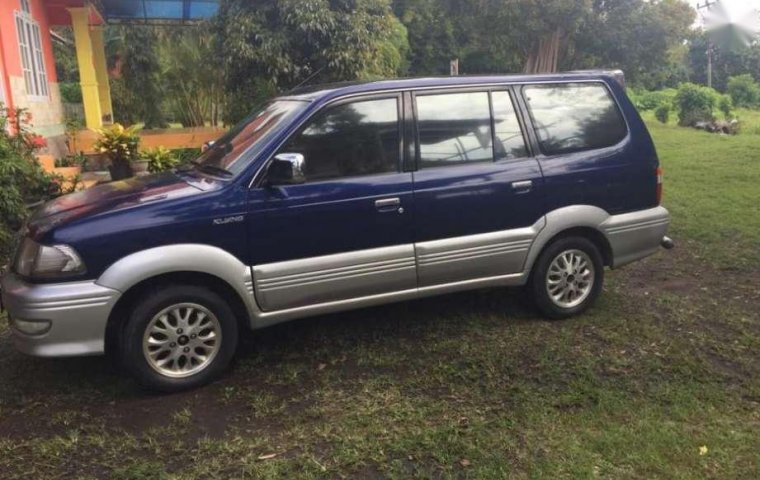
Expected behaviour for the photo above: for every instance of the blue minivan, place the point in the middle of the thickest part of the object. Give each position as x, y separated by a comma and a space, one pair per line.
339, 197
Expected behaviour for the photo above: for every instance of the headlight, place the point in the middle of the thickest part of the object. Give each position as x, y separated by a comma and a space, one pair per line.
35, 260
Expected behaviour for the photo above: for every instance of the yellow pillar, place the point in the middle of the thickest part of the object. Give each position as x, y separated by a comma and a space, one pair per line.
101, 73
87, 77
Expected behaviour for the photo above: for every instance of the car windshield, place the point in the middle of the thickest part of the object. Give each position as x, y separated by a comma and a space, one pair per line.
233, 152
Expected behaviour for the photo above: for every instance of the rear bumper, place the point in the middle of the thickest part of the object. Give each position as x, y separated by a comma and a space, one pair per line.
76, 312
636, 235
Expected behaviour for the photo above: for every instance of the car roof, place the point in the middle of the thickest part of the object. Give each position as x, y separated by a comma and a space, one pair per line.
334, 90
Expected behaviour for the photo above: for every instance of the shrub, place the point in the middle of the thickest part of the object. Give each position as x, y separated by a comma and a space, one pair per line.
646, 100
22, 181
663, 113
695, 103
744, 91
725, 105
71, 92
120, 145
160, 159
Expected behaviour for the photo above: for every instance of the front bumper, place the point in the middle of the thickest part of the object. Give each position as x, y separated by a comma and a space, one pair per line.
77, 313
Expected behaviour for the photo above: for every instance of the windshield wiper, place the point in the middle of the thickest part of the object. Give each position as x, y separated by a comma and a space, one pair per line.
212, 169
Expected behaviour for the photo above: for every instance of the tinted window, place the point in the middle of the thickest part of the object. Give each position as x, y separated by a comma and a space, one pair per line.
574, 117
360, 138
249, 136
509, 140
454, 128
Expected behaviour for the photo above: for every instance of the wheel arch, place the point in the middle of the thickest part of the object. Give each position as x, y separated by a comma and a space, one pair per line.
203, 265
577, 220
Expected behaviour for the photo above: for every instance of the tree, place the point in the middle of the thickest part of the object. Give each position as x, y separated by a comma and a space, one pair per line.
274, 45
744, 91
137, 88
725, 64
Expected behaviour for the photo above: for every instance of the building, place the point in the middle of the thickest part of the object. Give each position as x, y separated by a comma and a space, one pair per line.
27, 65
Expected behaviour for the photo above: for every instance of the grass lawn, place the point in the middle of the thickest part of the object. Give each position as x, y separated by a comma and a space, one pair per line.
660, 380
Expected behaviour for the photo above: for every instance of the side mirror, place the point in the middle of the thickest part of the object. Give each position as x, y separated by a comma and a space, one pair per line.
286, 169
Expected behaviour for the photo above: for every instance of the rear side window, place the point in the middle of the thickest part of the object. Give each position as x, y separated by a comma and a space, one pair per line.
454, 128
574, 117
354, 139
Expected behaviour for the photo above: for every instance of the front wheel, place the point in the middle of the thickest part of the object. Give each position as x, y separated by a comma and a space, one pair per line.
567, 277
179, 337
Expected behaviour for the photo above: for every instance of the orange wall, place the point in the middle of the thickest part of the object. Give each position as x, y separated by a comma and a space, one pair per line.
11, 52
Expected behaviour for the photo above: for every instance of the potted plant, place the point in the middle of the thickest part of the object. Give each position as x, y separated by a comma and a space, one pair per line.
120, 145
160, 159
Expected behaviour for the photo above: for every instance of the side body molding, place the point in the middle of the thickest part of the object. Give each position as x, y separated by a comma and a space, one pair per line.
139, 266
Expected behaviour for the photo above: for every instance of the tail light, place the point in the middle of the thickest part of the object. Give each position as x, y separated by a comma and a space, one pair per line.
659, 185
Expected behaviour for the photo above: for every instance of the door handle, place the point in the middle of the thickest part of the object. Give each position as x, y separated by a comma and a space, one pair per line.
524, 186
389, 205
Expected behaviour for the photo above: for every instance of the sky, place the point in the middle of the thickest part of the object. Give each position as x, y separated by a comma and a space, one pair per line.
735, 8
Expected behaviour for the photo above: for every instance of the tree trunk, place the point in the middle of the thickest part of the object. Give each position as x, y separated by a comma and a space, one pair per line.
544, 58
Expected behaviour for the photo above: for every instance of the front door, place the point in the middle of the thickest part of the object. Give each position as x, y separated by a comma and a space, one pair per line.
477, 190
347, 231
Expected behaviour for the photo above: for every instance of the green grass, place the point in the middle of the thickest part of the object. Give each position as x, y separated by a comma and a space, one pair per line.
712, 187
464, 386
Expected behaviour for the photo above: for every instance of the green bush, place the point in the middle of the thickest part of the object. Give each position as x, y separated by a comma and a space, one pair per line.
662, 113
22, 181
695, 103
160, 159
744, 91
71, 92
725, 105
645, 100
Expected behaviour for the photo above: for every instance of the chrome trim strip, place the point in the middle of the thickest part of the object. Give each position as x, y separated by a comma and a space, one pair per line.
338, 277
487, 255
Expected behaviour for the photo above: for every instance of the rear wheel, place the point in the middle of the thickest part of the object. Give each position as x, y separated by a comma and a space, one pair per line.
179, 337
567, 277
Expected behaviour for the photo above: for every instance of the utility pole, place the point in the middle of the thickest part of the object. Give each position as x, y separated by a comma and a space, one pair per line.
710, 47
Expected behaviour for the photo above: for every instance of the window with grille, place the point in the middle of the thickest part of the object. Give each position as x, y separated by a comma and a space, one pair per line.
32, 58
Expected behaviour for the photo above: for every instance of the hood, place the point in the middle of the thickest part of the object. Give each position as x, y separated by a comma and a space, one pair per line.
115, 196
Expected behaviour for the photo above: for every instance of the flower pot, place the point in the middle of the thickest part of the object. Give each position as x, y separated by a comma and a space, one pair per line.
120, 171
140, 167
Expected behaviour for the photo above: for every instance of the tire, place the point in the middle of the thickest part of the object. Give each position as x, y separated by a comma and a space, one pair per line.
173, 323
552, 271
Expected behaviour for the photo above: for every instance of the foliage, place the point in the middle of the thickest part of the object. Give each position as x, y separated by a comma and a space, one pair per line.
120, 145
71, 92
274, 45
744, 91
66, 65
137, 95
22, 181
78, 159
662, 113
650, 100
725, 64
643, 38
194, 94
159, 159
695, 103
186, 155
725, 105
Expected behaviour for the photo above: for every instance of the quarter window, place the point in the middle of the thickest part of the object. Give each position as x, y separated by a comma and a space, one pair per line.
32, 58
508, 138
574, 117
359, 138
454, 128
